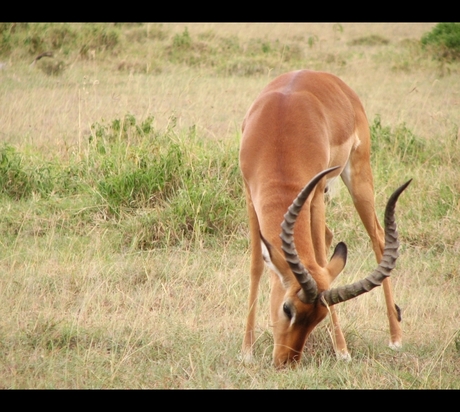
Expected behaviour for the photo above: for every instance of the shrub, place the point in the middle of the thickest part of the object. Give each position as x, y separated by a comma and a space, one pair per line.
400, 143
443, 41
13, 179
159, 187
95, 37
61, 35
20, 177
182, 41
176, 187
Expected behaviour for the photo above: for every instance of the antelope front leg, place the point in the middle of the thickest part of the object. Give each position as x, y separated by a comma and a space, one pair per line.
376, 234
257, 268
394, 316
249, 339
362, 193
340, 345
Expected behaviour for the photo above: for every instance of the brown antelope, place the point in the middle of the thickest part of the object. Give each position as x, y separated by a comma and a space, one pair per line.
304, 126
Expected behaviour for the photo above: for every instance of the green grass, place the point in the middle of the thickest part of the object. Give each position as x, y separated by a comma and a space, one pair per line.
443, 41
163, 188
123, 232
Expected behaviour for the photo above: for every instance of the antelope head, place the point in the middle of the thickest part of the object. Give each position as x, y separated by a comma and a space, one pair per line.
300, 301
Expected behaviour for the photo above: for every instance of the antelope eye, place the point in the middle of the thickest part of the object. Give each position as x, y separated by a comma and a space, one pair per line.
287, 310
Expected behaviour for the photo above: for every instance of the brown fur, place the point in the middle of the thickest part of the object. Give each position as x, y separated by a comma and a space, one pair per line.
302, 123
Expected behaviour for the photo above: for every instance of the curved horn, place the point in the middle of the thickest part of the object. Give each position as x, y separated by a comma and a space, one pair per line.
387, 264
308, 284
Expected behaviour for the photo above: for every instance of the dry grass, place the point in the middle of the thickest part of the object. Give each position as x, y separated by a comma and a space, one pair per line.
82, 310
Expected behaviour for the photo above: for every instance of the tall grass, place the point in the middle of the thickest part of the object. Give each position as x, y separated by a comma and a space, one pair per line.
123, 231
168, 187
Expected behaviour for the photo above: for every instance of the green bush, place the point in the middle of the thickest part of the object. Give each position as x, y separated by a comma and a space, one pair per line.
23, 176
399, 143
182, 41
61, 35
184, 50
175, 187
35, 38
133, 165
14, 181
443, 41
190, 188
159, 187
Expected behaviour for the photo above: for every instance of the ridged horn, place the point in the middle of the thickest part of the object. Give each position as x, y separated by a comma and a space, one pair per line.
308, 284
387, 264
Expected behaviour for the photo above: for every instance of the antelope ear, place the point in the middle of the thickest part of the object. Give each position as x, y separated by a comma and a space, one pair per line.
276, 262
338, 260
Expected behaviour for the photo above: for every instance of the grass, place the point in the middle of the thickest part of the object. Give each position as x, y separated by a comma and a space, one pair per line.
123, 234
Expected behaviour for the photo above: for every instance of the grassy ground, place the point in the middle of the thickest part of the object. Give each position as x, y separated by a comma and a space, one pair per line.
123, 235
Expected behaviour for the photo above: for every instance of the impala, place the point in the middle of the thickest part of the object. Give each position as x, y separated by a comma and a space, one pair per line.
302, 131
